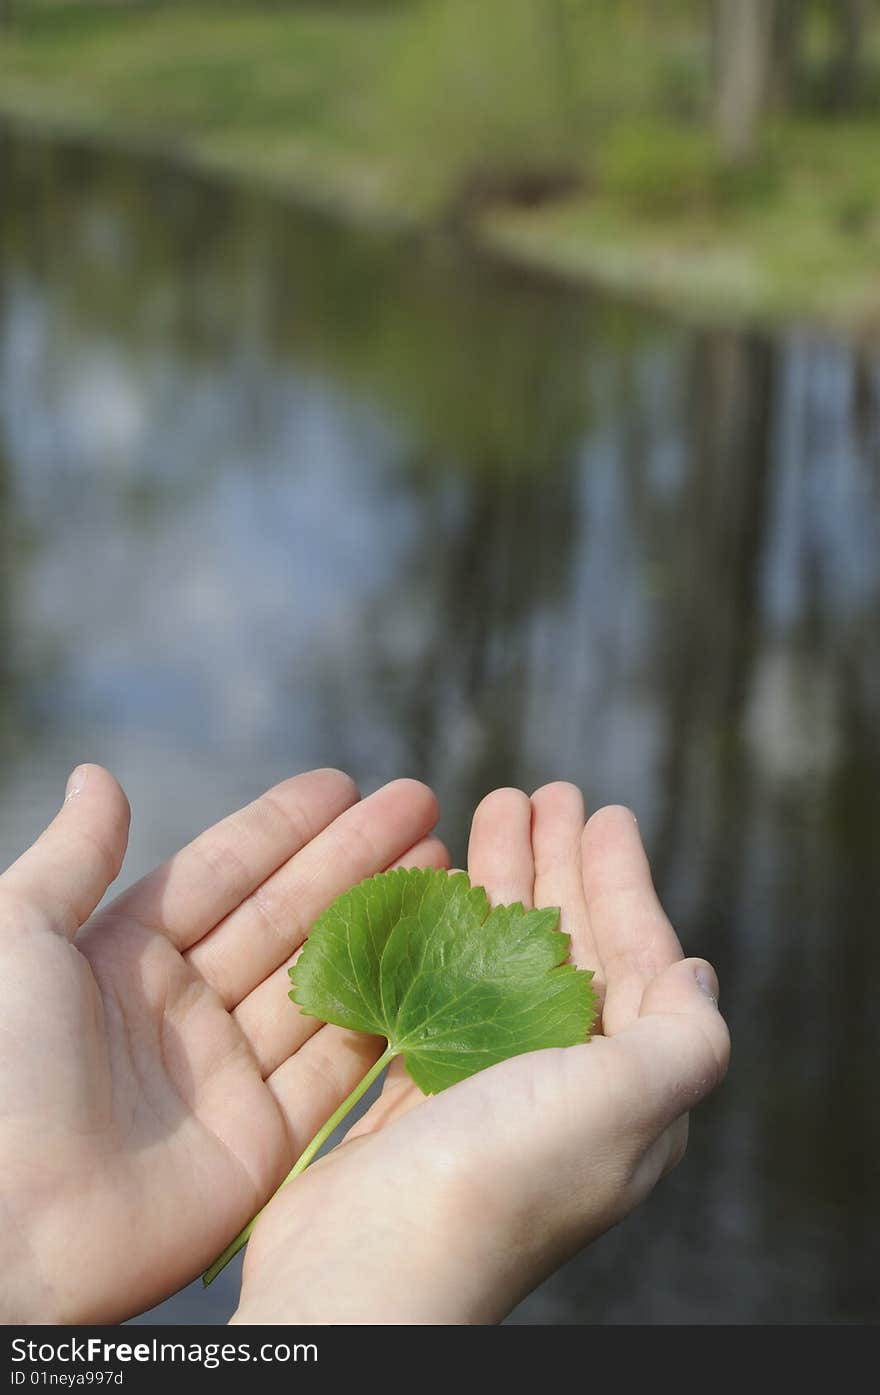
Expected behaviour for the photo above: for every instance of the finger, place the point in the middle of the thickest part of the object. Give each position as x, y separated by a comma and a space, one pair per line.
675, 1053
600, 1128
64, 875
311, 1085
274, 1026
430, 852
186, 897
500, 848
602, 1107
632, 1093
557, 829
261, 933
633, 937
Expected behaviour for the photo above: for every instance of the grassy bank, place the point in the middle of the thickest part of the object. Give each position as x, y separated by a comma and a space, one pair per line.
569, 154
276, 96
808, 249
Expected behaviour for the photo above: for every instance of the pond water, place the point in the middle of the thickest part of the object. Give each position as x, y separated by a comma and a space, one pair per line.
276, 494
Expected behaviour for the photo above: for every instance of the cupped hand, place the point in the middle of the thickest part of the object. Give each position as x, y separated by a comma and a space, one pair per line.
452, 1209
155, 1083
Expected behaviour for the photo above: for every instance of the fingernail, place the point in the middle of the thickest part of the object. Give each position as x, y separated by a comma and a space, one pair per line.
707, 982
75, 783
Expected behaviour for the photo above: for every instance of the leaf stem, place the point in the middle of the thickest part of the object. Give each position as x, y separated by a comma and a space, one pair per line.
302, 1161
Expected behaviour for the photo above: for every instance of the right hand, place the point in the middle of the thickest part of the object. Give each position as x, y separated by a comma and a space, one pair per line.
452, 1208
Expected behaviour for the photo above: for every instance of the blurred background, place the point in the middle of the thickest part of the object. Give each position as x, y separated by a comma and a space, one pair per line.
486, 391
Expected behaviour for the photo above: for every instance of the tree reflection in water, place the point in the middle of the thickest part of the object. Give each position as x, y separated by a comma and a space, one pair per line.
277, 494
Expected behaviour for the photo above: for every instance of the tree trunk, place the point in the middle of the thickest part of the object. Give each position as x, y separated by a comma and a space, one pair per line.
743, 39
788, 32
844, 78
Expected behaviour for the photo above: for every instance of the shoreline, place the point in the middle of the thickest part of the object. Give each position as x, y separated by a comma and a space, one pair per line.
707, 288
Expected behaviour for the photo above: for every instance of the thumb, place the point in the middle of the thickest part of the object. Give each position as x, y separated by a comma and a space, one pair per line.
628, 1097
557, 1146
66, 872
677, 1051
585, 1116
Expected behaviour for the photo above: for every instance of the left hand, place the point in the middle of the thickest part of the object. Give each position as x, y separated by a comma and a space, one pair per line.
155, 1085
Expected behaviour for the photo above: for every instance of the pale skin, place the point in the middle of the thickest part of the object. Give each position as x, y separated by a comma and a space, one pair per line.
152, 1092
451, 1209
156, 1083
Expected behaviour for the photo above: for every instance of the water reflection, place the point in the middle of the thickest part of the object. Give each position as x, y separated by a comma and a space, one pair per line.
276, 494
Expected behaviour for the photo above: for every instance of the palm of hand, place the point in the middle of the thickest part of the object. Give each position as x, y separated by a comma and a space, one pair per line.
541, 852
500, 1178
160, 1085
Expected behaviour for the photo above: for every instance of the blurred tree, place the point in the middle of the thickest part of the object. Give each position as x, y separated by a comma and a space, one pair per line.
743, 42
788, 33
849, 18
829, 71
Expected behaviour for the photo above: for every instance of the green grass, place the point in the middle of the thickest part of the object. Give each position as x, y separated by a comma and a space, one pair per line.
798, 237
397, 111
278, 94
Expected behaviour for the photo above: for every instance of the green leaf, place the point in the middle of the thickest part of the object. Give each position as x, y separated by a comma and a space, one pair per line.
418, 957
